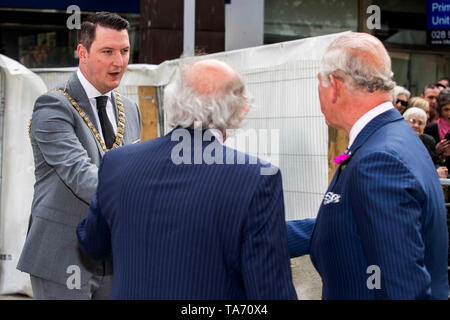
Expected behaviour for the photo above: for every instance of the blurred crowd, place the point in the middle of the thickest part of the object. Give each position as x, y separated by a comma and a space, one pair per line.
429, 116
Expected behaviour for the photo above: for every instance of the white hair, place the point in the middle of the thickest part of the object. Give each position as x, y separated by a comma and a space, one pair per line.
398, 90
221, 110
414, 111
360, 60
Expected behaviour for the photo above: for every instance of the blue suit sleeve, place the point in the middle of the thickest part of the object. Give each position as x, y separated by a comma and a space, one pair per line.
94, 236
387, 211
266, 269
299, 234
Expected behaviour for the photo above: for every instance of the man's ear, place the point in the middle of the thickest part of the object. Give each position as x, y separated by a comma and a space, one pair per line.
82, 53
335, 87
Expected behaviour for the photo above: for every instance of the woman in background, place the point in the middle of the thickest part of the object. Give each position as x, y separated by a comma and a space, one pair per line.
417, 119
440, 129
400, 98
418, 102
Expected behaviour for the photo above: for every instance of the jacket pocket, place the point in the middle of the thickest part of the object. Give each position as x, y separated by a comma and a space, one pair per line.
71, 216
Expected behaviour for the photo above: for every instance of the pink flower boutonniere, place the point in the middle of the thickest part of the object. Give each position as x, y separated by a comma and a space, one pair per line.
342, 158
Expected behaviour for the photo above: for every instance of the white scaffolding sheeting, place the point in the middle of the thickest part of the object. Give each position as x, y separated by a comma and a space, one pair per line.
286, 102
22, 89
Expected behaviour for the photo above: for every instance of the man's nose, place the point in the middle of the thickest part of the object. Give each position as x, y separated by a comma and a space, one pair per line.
118, 60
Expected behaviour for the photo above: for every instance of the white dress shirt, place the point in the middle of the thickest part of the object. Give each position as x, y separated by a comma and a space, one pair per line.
365, 119
92, 93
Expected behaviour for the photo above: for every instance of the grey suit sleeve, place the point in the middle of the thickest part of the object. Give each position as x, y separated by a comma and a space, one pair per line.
53, 130
139, 117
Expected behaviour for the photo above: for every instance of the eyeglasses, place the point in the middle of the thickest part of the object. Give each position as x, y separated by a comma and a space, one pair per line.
403, 102
419, 122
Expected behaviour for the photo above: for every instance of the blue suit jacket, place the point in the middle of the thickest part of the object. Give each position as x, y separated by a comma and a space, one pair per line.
188, 231
385, 209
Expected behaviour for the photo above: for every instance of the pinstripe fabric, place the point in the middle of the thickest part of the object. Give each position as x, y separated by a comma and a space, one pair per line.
188, 231
390, 214
299, 236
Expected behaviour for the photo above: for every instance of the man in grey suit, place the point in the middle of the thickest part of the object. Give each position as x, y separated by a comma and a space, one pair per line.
71, 129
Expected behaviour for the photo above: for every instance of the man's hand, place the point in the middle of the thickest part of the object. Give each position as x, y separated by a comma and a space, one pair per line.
442, 172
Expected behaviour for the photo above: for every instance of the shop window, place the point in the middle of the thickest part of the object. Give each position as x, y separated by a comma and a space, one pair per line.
402, 22
294, 19
25, 38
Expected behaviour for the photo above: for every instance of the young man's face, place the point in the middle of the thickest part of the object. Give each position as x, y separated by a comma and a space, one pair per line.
431, 96
104, 64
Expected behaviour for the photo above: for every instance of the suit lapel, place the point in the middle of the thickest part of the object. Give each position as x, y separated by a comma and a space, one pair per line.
113, 99
376, 123
335, 177
76, 91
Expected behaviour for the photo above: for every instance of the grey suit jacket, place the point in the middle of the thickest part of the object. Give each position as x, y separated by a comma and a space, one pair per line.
66, 157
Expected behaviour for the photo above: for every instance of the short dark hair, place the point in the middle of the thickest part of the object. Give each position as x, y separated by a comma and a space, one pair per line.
443, 99
86, 34
429, 86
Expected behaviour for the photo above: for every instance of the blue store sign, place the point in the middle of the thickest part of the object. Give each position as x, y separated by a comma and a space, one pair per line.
438, 22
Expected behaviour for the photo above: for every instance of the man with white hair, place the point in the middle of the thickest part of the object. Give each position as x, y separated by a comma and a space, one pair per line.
185, 220
381, 230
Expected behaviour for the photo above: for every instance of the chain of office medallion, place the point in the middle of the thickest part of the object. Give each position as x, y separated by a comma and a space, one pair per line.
120, 123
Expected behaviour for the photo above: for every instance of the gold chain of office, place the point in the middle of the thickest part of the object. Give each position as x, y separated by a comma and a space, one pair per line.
120, 123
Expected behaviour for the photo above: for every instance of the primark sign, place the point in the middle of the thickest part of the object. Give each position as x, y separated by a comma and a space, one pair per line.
438, 22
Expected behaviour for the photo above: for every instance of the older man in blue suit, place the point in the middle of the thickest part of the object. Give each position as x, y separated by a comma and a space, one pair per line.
186, 219
381, 230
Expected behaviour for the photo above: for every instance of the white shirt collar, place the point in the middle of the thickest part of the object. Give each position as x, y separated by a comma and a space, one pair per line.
90, 90
366, 118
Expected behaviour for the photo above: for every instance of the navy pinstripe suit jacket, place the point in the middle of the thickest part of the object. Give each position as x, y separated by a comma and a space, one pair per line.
385, 209
188, 231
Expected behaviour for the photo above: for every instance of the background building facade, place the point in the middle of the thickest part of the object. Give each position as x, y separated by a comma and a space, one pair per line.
35, 33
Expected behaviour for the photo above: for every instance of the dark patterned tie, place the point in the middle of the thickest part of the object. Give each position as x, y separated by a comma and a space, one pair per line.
107, 129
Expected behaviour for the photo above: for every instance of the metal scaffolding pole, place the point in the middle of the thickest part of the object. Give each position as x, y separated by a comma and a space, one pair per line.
2, 121
189, 28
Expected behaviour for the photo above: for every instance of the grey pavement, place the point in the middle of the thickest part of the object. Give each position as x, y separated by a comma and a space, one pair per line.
306, 280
